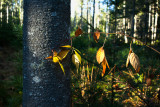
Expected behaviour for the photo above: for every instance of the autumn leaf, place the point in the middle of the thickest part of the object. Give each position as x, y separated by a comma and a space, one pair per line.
50, 57
96, 36
78, 32
79, 57
62, 67
66, 46
100, 55
75, 60
134, 60
127, 62
56, 59
104, 64
63, 53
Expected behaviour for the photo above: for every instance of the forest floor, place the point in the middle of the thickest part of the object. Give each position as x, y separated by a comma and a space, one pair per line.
10, 69
7, 66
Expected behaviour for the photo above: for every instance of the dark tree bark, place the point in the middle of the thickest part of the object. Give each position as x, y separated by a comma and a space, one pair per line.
46, 26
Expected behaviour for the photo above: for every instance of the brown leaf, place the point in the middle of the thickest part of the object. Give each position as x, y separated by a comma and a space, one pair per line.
96, 36
148, 81
134, 60
100, 55
50, 57
104, 66
78, 32
127, 62
104, 63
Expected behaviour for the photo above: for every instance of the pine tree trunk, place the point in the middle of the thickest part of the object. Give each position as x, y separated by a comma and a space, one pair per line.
133, 15
93, 15
46, 26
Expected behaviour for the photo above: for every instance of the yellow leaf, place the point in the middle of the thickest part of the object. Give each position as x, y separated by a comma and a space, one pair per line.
75, 60
100, 55
79, 57
56, 59
63, 53
66, 46
134, 60
62, 67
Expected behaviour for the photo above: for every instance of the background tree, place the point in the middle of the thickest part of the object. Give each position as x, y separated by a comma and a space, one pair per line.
46, 26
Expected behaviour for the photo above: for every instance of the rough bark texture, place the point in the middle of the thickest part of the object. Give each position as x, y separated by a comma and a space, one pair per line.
46, 26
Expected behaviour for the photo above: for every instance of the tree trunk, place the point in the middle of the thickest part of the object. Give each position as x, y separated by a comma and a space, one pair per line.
156, 20
107, 18
133, 14
124, 21
93, 15
46, 25
81, 12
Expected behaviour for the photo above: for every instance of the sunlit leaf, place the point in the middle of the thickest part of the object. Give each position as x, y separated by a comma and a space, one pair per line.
79, 57
96, 36
100, 55
66, 46
75, 60
78, 32
104, 64
76, 50
56, 59
134, 60
62, 67
63, 53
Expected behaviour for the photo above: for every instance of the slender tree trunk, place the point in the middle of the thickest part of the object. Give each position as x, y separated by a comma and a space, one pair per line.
93, 15
149, 23
146, 21
133, 15
46, 26
153, 16
156, 20
81, 12
135, 27
107, 17
1, 10
124, 20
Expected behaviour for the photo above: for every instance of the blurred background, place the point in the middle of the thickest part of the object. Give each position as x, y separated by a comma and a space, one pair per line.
120, 86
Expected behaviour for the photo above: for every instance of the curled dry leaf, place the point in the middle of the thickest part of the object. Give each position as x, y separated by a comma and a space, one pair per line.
100, 55
148, 81
134, 60
104, 64
127, 62
78, 32
96, 36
